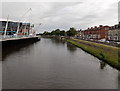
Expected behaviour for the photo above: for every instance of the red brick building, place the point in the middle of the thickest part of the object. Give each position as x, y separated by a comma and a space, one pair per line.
96, 33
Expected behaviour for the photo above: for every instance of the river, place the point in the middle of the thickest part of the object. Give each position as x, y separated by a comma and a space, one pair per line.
54, 64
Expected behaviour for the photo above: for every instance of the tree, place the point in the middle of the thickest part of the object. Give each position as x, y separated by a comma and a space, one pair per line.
46, 33
57, 32
62, 33
53, 32
71, 32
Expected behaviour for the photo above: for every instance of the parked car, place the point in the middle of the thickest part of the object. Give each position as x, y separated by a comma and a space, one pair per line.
102, 40
118, 43
108, 41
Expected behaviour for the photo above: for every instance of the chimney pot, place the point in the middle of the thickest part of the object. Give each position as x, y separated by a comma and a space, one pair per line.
100, 25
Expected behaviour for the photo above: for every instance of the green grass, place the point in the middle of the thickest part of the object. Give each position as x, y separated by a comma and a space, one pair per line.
109, 54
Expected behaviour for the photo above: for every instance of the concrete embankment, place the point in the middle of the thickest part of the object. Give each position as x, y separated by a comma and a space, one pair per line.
17, 41
108, 54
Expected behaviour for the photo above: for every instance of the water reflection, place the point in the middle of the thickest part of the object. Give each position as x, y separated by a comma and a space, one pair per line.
0, 75
0, 51
0, 66
13, 49
71, 47
57, 41
119, 80
102, 65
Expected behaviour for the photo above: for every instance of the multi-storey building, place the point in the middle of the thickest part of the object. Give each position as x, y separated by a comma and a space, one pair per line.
96, 33
102, 32
79, 35
114, 33
13, 26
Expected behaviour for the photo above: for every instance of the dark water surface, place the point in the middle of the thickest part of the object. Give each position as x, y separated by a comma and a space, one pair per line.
53, 64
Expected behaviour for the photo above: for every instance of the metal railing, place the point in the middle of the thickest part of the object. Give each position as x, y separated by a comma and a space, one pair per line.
14, 36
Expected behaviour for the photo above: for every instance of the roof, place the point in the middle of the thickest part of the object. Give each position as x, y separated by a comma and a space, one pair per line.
8, 20
13, 21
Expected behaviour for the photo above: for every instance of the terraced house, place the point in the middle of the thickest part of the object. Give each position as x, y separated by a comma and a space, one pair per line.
95, 33
114, 33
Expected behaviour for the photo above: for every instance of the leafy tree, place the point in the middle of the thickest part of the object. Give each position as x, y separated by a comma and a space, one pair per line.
71, 32
62, 33
53, 32
57, 32
46, 33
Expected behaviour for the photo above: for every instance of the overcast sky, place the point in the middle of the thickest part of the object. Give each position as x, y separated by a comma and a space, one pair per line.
63, 15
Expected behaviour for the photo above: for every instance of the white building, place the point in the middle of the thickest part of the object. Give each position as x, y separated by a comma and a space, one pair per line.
114, 33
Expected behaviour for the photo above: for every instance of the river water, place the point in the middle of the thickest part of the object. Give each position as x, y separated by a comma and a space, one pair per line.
54, 64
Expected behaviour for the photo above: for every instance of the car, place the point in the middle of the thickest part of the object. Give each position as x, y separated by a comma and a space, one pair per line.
102, 40
108, 41
118, 42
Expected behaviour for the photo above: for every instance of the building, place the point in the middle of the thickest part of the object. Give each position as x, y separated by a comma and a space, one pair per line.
114, 33
79, 34
24, 29
96, 33
12, 27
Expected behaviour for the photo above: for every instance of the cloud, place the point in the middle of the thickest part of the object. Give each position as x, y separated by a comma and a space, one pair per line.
63, 15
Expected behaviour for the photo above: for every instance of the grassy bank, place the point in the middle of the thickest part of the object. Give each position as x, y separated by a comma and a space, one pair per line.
109, 54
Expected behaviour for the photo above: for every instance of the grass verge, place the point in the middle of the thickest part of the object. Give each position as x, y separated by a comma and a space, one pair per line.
108, 54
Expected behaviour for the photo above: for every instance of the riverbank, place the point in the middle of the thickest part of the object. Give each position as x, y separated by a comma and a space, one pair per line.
17, 41
108, 54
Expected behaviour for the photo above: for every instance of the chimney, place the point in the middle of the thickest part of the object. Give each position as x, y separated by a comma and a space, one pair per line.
95, 27
100, 25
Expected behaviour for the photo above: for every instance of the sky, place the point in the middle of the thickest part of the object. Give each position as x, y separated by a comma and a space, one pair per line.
54, 14
119, 11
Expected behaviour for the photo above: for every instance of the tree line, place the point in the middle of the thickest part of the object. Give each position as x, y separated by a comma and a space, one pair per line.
71, 32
